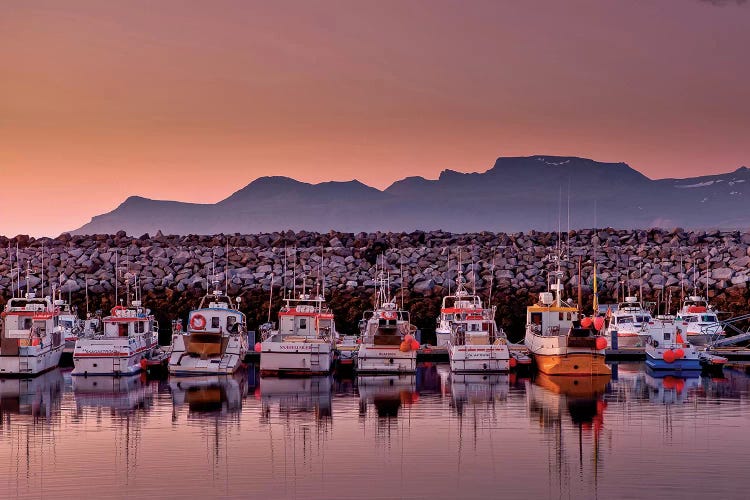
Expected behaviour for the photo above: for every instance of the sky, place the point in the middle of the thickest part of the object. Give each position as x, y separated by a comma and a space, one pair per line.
192, 100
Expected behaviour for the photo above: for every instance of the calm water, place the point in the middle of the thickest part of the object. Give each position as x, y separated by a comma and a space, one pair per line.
427, 436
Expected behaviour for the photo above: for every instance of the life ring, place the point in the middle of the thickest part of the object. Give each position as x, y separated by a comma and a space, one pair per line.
198, 322
389, 315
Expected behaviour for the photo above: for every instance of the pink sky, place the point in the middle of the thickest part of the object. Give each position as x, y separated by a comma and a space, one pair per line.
193, 100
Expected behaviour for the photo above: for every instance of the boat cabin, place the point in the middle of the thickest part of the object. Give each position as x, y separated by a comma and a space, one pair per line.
306, 317
25, 321
549, 318
128, 321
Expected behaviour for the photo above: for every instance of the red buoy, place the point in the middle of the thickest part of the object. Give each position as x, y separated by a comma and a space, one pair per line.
586, 322
404, 347
414, 345
669, 356
257, 347
513, 362
598, 322
601, 343
679, 353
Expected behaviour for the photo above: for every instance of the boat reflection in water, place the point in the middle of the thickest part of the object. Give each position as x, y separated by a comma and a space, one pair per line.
387, 393
37, 397
472, 389
297, 398
668, 389
121, 394
209, 394
557, 401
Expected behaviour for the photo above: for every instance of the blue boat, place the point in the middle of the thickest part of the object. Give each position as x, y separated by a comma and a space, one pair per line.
667, 349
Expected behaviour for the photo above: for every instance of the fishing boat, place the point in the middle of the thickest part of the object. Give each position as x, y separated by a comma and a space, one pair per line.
215, 341
475, 343
388, 344
69, 325
666, 348
559, 342
130, 334
119, 394
698, 321
630, 322
30, 344
305, 340
346, 351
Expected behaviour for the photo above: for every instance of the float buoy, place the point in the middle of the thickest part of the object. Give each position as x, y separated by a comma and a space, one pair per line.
669, 356
198, 322
601, 343
586, 322
258, 347
404, 347
598, 323
513, 362
679, 353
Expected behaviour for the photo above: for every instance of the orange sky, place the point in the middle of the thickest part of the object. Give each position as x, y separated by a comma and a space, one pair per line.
192, 100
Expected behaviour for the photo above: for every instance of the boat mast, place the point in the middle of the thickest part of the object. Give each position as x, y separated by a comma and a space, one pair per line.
43, 270
270, 299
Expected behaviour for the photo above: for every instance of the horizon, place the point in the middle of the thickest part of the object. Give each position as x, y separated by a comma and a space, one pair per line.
106, 101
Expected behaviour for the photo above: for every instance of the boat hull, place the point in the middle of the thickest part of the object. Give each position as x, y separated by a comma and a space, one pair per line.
109, 357
385, 359
572, 364
33, 363
295, 358
479, 358
702, 338
627, 340
676, 365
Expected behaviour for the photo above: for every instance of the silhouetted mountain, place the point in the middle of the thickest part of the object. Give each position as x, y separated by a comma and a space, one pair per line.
516, 194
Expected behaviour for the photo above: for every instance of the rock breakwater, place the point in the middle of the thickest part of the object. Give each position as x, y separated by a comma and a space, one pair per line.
173, 270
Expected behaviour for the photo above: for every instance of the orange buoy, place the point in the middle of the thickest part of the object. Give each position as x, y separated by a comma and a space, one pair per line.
414, 345
257, 347
601, 343
669, 356
144, 363
409, 337
679, 353
404, 347
598, 322
586, 322
513, 362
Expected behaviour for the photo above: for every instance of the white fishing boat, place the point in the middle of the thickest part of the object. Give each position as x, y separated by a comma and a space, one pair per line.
215, 341
305, 340
346, 348
387, 336
69, 325
698, 320
558, 341
630, 322
475, 343
30, 343
667, 349
130, 334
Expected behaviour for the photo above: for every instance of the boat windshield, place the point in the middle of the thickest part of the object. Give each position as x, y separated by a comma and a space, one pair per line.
642, 319
708, 318
625, 319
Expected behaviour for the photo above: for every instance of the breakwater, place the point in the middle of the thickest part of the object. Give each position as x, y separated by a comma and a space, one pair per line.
172, 270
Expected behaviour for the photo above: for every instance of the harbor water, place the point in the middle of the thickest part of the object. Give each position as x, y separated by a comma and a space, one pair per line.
431, 435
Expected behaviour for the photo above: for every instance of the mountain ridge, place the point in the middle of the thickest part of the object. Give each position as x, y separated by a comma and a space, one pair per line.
515, 194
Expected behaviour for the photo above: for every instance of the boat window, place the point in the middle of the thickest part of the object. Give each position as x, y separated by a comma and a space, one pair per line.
641, 319
27, 322
570, 316
448, 317
691, 319
303, 323
122, 329
561, 316
231, 320
708, 318
667, 335
139, 326
536, 318
624, 320
215, 322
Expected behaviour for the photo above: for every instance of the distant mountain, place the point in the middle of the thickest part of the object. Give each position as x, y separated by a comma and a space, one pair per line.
516, 194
